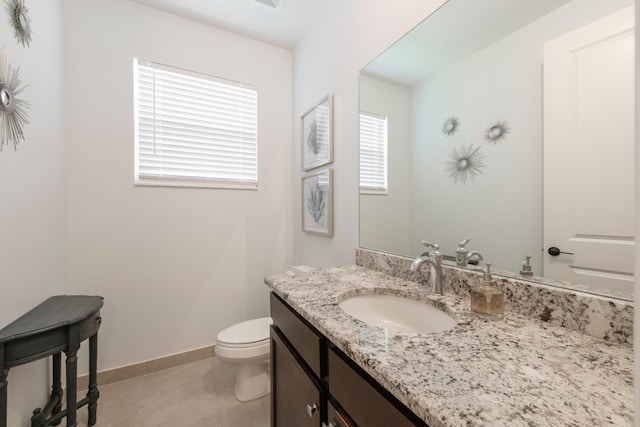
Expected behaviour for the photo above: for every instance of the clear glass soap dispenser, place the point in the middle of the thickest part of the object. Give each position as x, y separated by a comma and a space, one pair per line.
487, 300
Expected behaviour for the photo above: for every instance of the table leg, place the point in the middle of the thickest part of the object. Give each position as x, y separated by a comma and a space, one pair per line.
93, 394
72, 374
56, 387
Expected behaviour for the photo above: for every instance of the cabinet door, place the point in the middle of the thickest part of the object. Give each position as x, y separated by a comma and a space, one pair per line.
296, 399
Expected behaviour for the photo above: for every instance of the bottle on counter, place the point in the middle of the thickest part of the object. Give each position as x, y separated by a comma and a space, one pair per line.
487, 300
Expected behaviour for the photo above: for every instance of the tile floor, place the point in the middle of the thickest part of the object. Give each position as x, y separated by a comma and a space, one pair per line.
197, 394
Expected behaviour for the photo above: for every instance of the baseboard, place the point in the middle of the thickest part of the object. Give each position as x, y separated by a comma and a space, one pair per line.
148, 367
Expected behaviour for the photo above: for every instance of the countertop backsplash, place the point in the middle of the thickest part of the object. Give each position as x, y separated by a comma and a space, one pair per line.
602, 317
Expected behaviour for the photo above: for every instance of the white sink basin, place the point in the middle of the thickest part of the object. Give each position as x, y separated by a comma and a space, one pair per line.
397, 314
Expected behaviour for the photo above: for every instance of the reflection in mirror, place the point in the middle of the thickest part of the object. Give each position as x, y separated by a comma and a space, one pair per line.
464, 99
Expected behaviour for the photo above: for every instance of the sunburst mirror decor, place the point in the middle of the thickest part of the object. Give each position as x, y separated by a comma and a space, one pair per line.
450, 126
12, 109
465, 164
497, 132
20, 21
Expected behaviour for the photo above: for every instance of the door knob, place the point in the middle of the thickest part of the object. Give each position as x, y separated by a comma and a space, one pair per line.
553, 251
312, 409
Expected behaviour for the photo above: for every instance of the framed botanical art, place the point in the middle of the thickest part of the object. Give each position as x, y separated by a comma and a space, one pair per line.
317, 203
316, 128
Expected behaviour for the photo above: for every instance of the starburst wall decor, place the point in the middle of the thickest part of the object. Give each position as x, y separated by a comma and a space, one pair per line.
450, 126
12, 109
465, 164
20, 21
497, 132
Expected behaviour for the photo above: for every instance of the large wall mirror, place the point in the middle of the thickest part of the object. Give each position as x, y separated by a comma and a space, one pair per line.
510, 122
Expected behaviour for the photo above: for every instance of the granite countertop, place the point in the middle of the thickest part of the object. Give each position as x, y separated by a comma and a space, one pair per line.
513, 372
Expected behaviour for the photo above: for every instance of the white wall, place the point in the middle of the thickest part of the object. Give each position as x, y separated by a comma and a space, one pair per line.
33, 194
379, 210
175, 265
328, 60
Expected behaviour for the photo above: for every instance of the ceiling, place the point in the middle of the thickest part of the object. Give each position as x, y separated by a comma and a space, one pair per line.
282, 26
455, 31
459, 28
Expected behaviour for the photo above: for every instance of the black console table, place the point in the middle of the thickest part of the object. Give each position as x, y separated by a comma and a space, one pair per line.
57, 325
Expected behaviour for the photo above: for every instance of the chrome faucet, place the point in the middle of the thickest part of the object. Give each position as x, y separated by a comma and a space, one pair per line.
434, 258
463, 256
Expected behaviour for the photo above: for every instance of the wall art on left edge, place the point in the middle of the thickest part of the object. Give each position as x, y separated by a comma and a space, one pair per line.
20, 21
13, 116
317, 203
316, 129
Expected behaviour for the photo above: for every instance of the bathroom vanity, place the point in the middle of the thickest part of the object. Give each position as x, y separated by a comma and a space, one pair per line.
314, 383
330, 369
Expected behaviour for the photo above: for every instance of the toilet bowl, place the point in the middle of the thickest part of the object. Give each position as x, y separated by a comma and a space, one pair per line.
247, 346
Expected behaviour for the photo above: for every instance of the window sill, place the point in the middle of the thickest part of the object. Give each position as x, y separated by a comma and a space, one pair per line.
195, 184
374, 193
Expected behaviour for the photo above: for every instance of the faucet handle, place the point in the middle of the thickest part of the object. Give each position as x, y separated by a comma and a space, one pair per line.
430, 245
526, 266
464, 242
436, 249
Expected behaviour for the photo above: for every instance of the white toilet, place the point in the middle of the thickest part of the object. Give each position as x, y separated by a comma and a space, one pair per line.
247, 345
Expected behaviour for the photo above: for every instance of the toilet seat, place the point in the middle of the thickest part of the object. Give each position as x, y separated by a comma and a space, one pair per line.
242, 345
250, 333
246, 334
245, 340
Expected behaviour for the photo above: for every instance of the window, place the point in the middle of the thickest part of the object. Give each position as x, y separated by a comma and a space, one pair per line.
194, 130
373, 153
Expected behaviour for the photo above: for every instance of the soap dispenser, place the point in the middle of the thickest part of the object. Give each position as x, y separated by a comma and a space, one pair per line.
487, 300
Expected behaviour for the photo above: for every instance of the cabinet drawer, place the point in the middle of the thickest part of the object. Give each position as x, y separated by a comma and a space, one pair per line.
336, 419
306, 341
363, 402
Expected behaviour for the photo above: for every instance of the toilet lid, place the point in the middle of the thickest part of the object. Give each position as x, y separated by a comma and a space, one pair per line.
246, 332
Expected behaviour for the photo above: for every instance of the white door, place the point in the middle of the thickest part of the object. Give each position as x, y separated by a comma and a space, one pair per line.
589, 154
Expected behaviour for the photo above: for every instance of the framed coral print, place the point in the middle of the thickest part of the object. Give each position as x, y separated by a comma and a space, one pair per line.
316, 126
317, 203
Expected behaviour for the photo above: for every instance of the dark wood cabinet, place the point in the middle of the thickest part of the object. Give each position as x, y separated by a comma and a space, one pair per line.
296, 395
314, 384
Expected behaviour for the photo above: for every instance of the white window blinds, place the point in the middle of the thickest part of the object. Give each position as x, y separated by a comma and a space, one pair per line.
373, 153
193, 129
